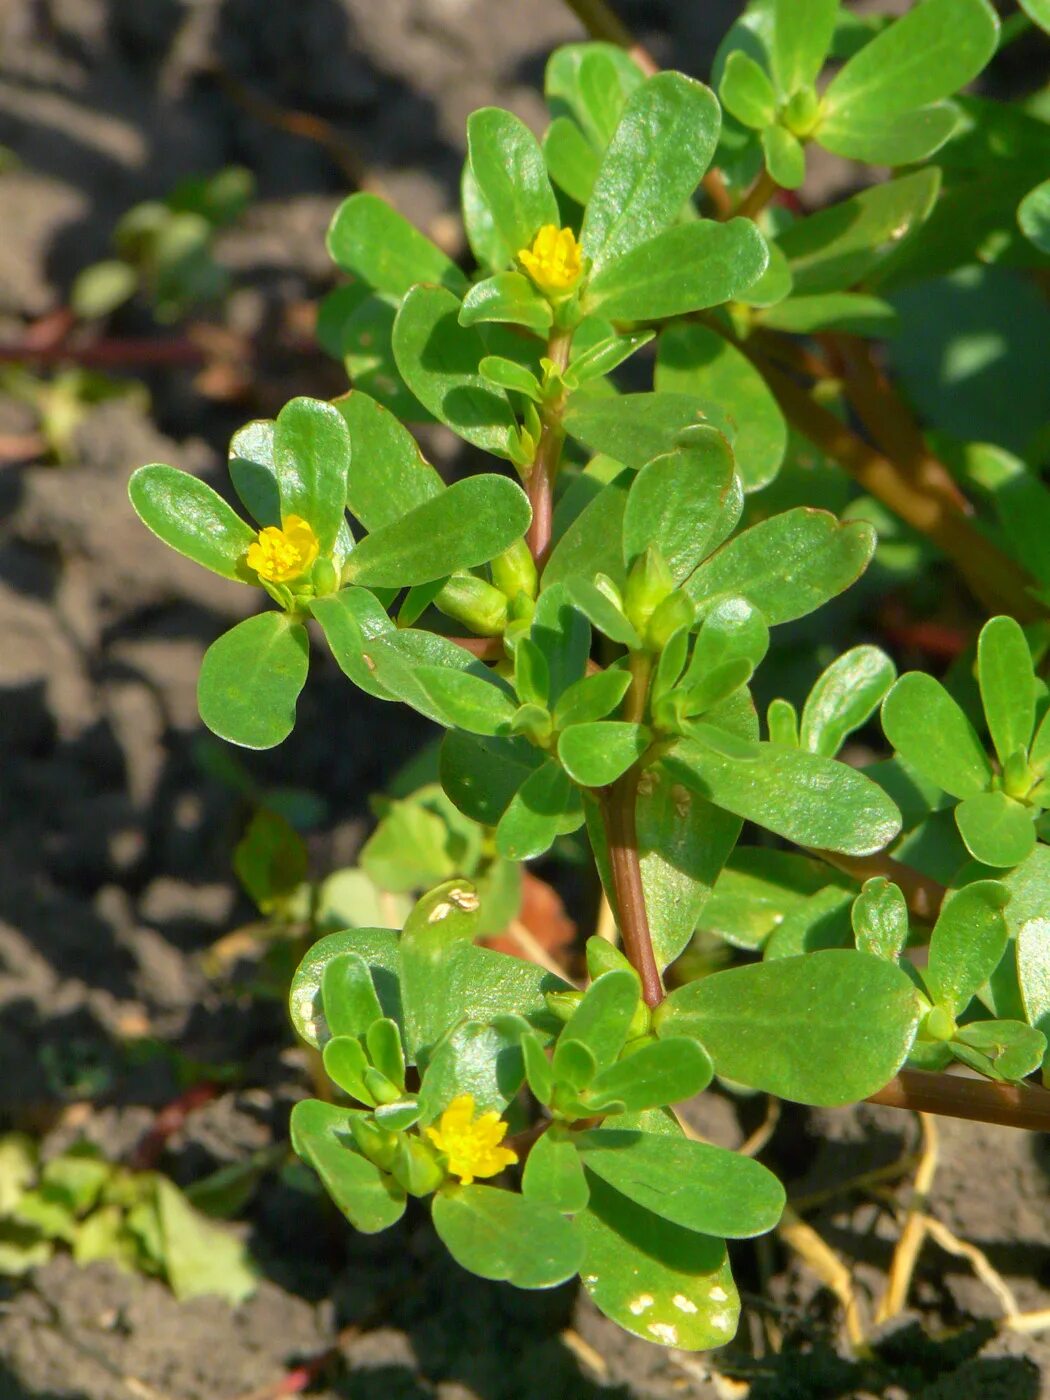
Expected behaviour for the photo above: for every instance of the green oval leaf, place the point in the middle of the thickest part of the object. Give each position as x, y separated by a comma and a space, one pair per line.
466, 525
995, 829
373, 241
193, 519
388, 474
596, 754
656, 1280
691, 1184
967, 943
311, 453
929, 53
510, 1238
696, 360
846, 695
438, 359
250, 679
370, 1200
1007, 682
511, 174
930, 732
686, 268
787, 566
811, 800
829, 1027
662, 146
681, 503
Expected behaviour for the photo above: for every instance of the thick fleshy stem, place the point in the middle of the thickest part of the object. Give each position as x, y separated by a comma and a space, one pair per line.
619, 802
544, 469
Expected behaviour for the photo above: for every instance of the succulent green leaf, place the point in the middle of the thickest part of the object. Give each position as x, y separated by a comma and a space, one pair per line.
509, 168
438, 359
510, 1238
544, 807
254, 472
350, 619
829, 1027
785, 157
388, 476
349, 995
1033, 971
686, 268
483, 1061
996, 829
691, 1184
593, 698
193, 519
603, 1018
662, 146
929, 53
634, 428
844, 698
930, 732
679, 503
853, 313
508, 297
571, 159
482, 775
466, 525
811, 800
899, 138
554, 1173
1007, 682
370, 1200
746, 91
311, 453
600, 610
374, 242
880, 918
658, 1073
597, 754
250, 680
967, 942
802, 33
346, 1063
831, 250
695, 360
562, 634
788, 565
591, 82
654, 1279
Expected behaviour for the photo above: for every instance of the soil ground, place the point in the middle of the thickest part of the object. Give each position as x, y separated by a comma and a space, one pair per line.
116, 829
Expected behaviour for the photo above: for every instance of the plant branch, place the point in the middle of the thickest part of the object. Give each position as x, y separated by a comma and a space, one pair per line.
981, 1100
619, 802
995, 580
544, 470
923, 894
757, 197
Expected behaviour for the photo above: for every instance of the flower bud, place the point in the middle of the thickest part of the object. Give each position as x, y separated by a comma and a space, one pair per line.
648, 584
676, 611
475, 603
514, 571
800, 114
378, 1144
325, 577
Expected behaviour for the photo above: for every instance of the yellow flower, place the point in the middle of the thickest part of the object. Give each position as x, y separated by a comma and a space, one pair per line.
553, 262
471, 1145
282, 553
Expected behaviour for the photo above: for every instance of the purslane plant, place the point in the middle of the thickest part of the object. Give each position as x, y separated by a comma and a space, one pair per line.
619, 601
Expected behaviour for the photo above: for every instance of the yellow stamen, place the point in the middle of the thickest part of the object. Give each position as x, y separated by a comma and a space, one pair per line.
553, 262
471, 1145
283, 553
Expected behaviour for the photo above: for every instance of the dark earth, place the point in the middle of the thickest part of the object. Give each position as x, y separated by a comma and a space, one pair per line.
116, 826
